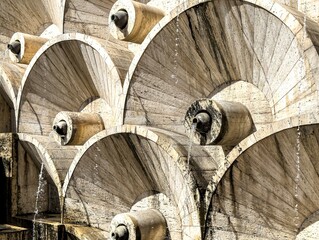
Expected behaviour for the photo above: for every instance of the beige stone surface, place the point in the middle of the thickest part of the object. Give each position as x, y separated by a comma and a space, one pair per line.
259, 54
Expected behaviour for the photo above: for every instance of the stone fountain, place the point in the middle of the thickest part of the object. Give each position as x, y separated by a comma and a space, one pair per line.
98, 102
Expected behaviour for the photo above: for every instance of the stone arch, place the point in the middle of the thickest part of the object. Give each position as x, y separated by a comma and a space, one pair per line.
260, 193
6, 116
158, 92
35, 147
310, 222
10, 76
118, 166
50, 86
267, 131
309, 232
32, 153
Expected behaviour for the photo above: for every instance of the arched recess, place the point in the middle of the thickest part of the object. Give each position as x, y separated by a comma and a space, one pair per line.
85, 81
10, 77
31, 17
197, 48
256, 137
10, 80
86, 75
270, 189
117, 168
6, 116
40, 153
31, 154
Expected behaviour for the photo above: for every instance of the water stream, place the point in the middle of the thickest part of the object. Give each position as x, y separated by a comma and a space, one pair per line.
176, 48
35, 233
298, 143
38, 228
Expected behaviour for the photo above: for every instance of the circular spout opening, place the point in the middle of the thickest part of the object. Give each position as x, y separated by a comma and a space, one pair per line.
15, 47
120, 233
120, 18
61, 128
202, 122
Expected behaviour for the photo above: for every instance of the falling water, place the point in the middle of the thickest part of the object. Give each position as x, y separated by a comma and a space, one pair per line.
297, 177
36, 234
36, 211
297, 162
176, 47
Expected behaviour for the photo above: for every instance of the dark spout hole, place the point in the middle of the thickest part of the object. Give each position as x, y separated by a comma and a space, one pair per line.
120, 18
202, 122
61, 128
120, 233
15, 47
114, 236
199, 125
113, 17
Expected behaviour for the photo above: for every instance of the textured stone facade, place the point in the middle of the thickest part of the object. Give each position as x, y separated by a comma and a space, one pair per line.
205, 112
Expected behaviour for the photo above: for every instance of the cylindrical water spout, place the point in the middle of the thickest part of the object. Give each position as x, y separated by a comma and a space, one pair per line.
131, 21
24, 46
218, 123
120, 233
75, 128
15, 47
120, 18
141, 225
